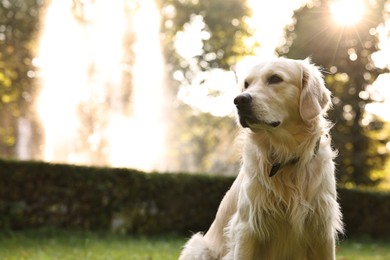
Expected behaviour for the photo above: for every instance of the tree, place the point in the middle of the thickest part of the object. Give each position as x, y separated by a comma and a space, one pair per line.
204, 143
19, 24
222, 38
345, 52
196, 137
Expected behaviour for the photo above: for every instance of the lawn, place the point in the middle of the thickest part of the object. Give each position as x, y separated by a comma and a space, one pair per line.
52, 244
66, 245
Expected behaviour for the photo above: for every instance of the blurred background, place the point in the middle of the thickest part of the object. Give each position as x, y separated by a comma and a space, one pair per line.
149, 84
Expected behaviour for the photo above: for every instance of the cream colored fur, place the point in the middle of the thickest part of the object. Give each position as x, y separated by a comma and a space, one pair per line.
294, 214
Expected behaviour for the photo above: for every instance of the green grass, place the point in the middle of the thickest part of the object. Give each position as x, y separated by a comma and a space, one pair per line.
53, 244
42, 245
364, 249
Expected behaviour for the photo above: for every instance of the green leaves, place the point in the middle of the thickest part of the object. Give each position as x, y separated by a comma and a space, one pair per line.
345, 54
19, 22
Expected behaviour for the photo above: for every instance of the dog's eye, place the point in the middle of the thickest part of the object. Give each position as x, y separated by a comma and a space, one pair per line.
274, 79
246, 84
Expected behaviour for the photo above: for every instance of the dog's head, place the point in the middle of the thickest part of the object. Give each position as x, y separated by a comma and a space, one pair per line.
281, 91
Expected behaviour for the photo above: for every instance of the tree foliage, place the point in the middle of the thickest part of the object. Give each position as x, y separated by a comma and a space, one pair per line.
223, 33
199, 139
345, 53
204, 143
19, 23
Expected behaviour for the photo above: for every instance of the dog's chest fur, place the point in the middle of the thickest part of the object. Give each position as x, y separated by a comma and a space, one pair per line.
281, 203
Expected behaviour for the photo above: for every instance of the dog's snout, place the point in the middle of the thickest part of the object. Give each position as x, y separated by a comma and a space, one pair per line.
243, 99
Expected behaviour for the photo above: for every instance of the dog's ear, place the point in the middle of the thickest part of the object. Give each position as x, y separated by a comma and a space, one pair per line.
315, 97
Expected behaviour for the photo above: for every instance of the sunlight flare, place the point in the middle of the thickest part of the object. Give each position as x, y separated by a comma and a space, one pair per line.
82, 59
347, 12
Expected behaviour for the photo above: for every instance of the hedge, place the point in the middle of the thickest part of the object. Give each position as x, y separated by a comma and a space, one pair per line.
36, 194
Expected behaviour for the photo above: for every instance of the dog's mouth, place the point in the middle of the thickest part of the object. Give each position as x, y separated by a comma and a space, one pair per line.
248, 120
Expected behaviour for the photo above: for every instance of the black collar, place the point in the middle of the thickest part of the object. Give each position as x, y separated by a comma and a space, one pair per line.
276, 166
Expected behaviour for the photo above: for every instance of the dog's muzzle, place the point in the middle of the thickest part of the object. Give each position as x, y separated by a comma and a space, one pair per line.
246, 116
243, 103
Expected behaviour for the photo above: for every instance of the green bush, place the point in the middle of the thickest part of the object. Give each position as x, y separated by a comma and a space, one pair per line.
365, 212
36, 194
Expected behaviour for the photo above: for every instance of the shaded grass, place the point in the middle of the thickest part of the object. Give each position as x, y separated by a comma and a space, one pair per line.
55, 244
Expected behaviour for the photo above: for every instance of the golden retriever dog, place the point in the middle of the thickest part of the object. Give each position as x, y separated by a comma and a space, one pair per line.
283, 203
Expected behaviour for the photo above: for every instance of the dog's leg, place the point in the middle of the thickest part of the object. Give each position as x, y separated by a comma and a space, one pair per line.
242, 243
212, 244
245, 247
322, 230
324, 249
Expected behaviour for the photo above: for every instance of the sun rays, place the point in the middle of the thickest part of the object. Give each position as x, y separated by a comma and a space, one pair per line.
347, 12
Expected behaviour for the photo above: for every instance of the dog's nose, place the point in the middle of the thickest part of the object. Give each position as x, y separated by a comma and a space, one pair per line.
243, 100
